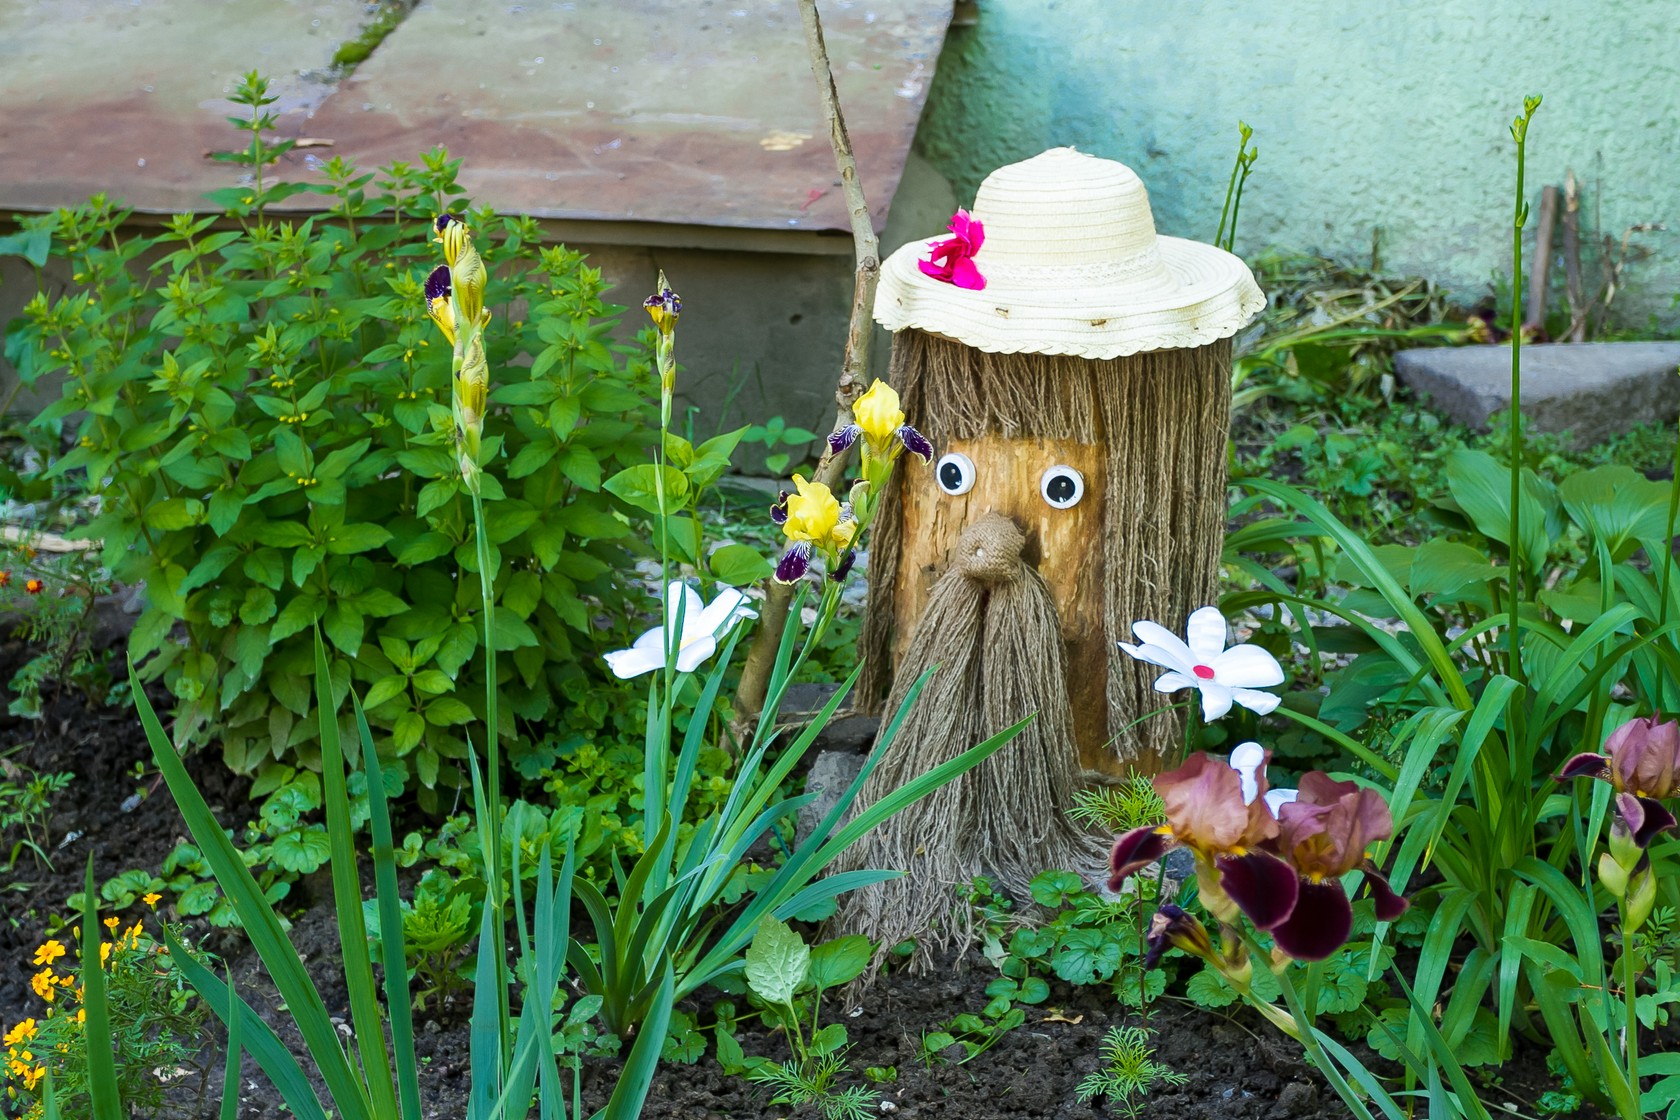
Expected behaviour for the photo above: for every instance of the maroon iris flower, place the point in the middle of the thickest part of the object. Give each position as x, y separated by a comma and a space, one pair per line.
952, 260
1642, 764
1206, 812
1324, 833
1283, 873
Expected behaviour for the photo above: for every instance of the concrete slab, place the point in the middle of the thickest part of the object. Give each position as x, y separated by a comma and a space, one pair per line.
678, 112
125, 97
1591, 389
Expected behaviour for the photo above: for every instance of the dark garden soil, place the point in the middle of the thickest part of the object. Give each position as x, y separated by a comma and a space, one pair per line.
1237, 1067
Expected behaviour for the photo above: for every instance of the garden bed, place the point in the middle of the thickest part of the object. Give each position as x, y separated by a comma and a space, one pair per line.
1236, 1066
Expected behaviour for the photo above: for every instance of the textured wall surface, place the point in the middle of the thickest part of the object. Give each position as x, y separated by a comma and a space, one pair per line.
1390, 116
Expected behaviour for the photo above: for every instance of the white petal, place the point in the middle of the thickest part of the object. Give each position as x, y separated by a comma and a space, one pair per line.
718, 611
1174, 657
633, 662
1246, 667
1278, 798
682, 596
1216, 700
694, 652
1206, 630
1154, 634
1247, 760
1260, 703
1172, 682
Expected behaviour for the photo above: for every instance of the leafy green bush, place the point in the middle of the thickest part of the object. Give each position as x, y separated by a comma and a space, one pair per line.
259, 408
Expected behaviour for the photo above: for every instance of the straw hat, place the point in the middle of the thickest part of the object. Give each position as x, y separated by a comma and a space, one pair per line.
1072, 265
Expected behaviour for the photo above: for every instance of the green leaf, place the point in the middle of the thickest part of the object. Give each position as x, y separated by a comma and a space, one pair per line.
1482, 488
777, 962
839, 961
739, 565
173, 514
301, 851
1054, 888
360, 536
639, 486
829, 1040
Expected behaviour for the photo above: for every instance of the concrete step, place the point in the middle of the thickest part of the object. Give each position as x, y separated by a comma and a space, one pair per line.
1592, 390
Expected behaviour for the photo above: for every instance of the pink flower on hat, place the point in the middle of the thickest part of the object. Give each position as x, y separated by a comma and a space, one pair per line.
952, 260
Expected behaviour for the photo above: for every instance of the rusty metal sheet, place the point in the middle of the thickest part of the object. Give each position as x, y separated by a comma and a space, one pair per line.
695, 112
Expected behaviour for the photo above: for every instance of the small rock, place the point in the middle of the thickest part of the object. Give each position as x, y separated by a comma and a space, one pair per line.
1297, 1099
831, 774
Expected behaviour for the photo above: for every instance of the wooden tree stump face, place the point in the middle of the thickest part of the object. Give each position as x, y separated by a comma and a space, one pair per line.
1065, 545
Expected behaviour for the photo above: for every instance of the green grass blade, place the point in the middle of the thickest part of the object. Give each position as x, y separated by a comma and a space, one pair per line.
49, 1099
258, 919
101, 1046
1359, 553
637, 1076
257, 1038
235, 1055
484, 1039
393, 948
365, 1017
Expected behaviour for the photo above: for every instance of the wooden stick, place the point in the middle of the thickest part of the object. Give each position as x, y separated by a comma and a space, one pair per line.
44, 542
1542, 259
854, 369
1572, 258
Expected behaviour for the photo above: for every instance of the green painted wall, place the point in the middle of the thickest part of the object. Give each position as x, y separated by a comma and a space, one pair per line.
1367, 115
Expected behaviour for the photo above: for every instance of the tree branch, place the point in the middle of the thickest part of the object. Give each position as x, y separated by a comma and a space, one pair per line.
854, 369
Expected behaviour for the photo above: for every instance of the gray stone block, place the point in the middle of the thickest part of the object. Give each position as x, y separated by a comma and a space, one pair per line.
830, 774
1593, 390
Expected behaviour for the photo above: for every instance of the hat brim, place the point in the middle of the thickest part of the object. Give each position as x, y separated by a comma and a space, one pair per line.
1214, 297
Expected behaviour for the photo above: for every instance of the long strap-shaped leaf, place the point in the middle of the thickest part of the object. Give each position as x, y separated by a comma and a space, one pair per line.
258, 918
393, 950
235, 1055
101, 1044
347, 901
256, 1037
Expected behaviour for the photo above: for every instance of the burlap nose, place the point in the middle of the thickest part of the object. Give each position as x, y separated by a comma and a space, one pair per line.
989, 551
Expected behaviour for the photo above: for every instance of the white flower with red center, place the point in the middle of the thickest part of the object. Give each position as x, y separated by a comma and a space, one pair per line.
1223, 676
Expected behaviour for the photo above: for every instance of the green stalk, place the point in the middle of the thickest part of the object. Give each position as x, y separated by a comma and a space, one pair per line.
1668, 560
1630, 1044
497, 896
1519, 131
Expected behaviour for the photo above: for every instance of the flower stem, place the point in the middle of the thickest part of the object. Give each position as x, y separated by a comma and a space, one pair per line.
498, 893
1519, 131
1630, 1041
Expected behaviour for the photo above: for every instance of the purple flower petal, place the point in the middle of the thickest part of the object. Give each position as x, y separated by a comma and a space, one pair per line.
437, 284
916, 443
1390, 905
778, 512
1138, 848
1261, 884
1587, 765
840, 440
795, 562
1320, 923
1653, 818
844, 568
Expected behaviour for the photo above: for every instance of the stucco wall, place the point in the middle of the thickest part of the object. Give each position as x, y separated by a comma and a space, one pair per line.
1390, 115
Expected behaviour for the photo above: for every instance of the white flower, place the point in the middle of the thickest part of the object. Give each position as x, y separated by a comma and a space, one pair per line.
702, 628
1223, 676
1248, 760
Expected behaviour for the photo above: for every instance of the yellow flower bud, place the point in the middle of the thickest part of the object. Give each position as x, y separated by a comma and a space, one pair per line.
878, 414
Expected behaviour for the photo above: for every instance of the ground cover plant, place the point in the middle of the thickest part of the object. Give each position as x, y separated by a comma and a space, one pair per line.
1440, 854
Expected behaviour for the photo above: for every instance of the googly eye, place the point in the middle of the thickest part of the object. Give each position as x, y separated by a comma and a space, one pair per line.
1062, 487
955, 472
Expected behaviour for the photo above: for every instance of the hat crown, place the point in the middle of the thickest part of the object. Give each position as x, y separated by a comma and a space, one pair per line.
1067, 211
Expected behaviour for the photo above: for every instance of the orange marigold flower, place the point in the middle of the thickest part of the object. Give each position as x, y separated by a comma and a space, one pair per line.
49, 952
112, 923
34, 586
5, 578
